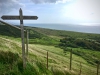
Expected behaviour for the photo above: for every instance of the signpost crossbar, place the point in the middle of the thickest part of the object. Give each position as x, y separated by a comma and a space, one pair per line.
7, 17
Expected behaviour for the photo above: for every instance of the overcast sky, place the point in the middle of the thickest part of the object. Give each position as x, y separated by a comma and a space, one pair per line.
83, 12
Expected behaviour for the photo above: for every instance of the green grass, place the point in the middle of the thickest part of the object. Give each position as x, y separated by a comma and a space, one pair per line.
58, 59
41, 41
9, 48
91, 56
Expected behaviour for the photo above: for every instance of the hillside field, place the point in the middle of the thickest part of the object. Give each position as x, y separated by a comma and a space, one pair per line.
42, 41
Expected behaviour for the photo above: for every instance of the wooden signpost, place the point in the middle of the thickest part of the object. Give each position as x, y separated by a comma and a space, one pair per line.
21, 17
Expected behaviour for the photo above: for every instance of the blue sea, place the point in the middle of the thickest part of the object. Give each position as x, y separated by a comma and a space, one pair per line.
69, 27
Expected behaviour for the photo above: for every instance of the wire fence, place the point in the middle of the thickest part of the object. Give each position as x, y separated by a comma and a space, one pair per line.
81, 68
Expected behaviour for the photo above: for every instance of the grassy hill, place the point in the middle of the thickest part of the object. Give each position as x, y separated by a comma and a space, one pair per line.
63, 33
41, 41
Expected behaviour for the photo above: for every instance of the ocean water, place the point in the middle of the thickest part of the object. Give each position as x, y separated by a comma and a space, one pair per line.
69, 27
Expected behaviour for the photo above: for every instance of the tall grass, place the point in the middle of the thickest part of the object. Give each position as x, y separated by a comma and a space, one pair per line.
11, 64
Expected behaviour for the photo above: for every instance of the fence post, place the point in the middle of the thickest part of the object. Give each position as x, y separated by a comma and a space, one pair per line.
70, 59
47, 59
27, 41
80, 68
97, 68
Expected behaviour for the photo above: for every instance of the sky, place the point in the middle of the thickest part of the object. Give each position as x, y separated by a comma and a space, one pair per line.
83, 12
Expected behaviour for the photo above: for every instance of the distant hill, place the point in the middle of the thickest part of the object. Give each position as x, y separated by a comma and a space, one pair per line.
63, 33
9, 31
43, 32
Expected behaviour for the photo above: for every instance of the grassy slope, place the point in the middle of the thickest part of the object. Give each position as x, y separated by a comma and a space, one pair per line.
13, 45
57, 59
93, 56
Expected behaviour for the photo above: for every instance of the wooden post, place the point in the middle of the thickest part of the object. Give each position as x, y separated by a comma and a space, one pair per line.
80, 68
20, 17
47, 59
97, 68
22, 38
71, 59
27, 41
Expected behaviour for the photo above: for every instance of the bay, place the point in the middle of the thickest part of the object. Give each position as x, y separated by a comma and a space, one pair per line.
69, 27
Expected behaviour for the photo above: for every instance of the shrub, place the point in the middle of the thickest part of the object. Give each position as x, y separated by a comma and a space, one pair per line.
8, 57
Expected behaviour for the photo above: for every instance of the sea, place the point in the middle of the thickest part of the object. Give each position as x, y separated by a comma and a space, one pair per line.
69, 27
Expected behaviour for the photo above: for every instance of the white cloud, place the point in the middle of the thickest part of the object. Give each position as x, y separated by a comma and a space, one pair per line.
84, 10
49, 1
9, 5
63, 1
30, 11
90, 24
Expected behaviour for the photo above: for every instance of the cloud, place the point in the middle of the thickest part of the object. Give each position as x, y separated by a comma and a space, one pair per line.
82, 9
8, 5
49, 1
